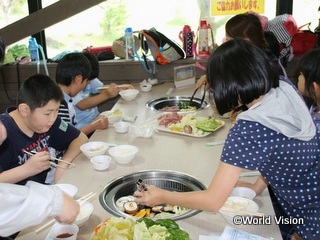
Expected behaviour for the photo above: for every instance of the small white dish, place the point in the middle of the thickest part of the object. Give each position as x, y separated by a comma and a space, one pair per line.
122, 127
84, 214
70, 189
113, 116
123, 154
63, 229
101, 162
243, 192
146, 87
95, 148
129, 94
238, 204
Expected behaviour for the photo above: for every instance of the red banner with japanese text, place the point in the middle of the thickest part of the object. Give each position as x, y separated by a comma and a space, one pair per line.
233, 7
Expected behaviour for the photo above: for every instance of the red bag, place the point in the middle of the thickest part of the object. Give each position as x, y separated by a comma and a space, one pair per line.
302, 42
293, 41
284, 27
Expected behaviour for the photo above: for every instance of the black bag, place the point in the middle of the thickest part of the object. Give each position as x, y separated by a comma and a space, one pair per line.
163, 50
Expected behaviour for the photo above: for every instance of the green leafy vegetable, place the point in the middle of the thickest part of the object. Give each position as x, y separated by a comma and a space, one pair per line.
149, 222
183, 104
208, 125
177, 234
168, 223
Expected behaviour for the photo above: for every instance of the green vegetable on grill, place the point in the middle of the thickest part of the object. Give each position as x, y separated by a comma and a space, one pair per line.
183, 104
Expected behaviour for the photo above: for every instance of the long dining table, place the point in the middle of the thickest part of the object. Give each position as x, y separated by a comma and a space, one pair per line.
161, 151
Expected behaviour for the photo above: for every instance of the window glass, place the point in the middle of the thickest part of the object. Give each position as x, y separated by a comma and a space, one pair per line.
12, 11
100, 25
301, 7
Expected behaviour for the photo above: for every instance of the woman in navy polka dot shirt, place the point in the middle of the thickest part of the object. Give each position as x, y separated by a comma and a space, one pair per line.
276, 136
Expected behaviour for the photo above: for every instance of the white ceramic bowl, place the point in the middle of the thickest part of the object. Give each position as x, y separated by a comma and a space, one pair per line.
85, 212
60, 229
129, 94
101, 162
70, 189
91, 149
112, 116
238, 203
243, 192
123, 154
122, 127
146, 87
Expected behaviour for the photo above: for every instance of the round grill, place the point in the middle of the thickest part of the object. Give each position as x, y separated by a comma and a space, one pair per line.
126, 185
159, 103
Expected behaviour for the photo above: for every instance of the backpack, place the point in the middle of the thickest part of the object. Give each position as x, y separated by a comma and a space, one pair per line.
293, 41
284, 27
163, 50
303, 41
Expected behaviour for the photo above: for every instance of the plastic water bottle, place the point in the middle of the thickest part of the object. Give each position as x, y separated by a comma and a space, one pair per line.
33, 50
187, 36
129, 43
203, 43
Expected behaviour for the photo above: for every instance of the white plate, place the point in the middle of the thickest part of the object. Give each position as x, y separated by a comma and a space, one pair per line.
166, 129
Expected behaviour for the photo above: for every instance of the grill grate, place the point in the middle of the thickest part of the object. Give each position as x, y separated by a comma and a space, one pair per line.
126, 185
159, 103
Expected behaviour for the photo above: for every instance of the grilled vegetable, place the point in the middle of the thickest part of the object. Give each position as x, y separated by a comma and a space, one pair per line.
187, 129
183, 104
141, 213
131, 207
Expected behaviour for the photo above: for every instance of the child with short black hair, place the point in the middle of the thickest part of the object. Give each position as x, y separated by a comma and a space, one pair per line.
309, 81
72, 75
87, 100
34, 134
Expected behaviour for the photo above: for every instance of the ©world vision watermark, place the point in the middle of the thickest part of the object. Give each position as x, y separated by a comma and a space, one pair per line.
266, 220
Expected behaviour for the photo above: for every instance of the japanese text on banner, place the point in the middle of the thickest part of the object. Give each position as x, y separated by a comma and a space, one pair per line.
232, 7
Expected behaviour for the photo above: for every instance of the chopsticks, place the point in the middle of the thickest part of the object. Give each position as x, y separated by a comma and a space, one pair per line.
250, 174
96, 121
86, 198
101, 118
241, 212
215, 143
81, 201
52, 158
118, 86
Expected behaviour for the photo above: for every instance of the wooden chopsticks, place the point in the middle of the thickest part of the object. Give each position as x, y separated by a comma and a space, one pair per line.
81, 201
86, 198
52, 158
118, 86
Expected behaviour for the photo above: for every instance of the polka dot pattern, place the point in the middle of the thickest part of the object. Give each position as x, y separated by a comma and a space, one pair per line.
291, 166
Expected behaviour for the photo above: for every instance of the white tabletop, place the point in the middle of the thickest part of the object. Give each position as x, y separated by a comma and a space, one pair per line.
165, 151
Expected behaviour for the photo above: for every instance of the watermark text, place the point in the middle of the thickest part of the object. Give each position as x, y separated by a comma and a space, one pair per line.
266, 220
